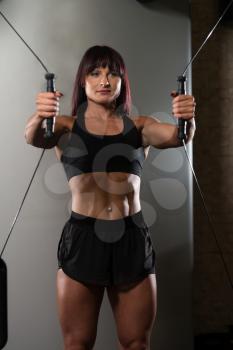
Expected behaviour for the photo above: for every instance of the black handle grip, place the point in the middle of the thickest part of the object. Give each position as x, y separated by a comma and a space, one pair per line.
50, 77
181, 122
3, 304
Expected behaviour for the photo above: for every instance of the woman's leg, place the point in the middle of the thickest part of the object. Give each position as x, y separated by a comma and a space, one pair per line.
134, 308
78, 308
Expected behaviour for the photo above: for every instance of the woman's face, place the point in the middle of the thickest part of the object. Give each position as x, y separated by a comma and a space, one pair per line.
102, 85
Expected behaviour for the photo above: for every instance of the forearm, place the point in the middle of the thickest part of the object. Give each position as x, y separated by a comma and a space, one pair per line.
34, 124
34, 132
190, 131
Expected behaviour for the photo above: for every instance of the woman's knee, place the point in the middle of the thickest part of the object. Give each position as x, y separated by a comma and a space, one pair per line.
135, 344
73, 341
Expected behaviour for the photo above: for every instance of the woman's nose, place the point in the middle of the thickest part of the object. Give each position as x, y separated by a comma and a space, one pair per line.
104, 81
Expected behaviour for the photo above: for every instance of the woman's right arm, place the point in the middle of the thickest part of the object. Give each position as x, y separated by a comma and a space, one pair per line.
47, 107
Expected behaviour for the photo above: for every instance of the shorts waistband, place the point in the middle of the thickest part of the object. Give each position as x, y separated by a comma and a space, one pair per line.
133, 220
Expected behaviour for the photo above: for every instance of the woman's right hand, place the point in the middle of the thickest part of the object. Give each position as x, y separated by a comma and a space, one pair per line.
47, 104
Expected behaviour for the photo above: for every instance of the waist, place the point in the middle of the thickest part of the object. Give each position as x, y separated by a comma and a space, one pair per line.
129, 221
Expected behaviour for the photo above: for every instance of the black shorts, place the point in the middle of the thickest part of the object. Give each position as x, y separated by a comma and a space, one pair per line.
106, 252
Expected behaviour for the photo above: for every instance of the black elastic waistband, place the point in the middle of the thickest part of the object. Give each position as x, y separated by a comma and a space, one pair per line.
128, 221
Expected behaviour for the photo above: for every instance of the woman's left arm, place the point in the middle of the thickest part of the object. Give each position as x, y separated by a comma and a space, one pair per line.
165, 135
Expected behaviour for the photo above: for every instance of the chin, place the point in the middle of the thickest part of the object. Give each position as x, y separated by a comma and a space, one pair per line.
107, 101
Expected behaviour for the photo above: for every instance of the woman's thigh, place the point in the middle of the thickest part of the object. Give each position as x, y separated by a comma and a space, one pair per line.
134, 308
78, 309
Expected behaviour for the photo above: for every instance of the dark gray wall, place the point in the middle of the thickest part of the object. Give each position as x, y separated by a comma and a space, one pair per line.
154, 40
212, 84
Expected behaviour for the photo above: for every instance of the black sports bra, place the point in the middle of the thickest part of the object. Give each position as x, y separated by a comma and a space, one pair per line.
85, 152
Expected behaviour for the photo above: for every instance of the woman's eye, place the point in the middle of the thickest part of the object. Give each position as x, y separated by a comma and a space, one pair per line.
115, 74
94, 73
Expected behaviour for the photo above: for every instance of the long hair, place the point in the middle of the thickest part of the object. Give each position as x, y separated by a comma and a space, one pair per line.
101, 56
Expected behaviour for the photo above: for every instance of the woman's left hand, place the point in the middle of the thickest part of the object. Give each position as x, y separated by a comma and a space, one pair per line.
183, 106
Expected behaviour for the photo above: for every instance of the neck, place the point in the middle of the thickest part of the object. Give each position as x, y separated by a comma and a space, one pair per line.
99, 111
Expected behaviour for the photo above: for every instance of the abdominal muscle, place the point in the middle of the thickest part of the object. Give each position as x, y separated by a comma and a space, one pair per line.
105, 195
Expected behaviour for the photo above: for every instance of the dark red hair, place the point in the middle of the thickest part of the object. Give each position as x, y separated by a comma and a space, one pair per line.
101, 56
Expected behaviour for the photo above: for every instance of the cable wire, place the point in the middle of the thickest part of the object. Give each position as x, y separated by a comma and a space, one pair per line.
209, 218
39, 161
208, 36
17, 33
190, 163
22, 202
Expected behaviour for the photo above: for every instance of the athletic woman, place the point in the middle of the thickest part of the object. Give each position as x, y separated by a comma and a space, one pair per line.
105, 242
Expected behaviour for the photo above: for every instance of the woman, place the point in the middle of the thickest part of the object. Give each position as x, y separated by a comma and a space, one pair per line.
105, 242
